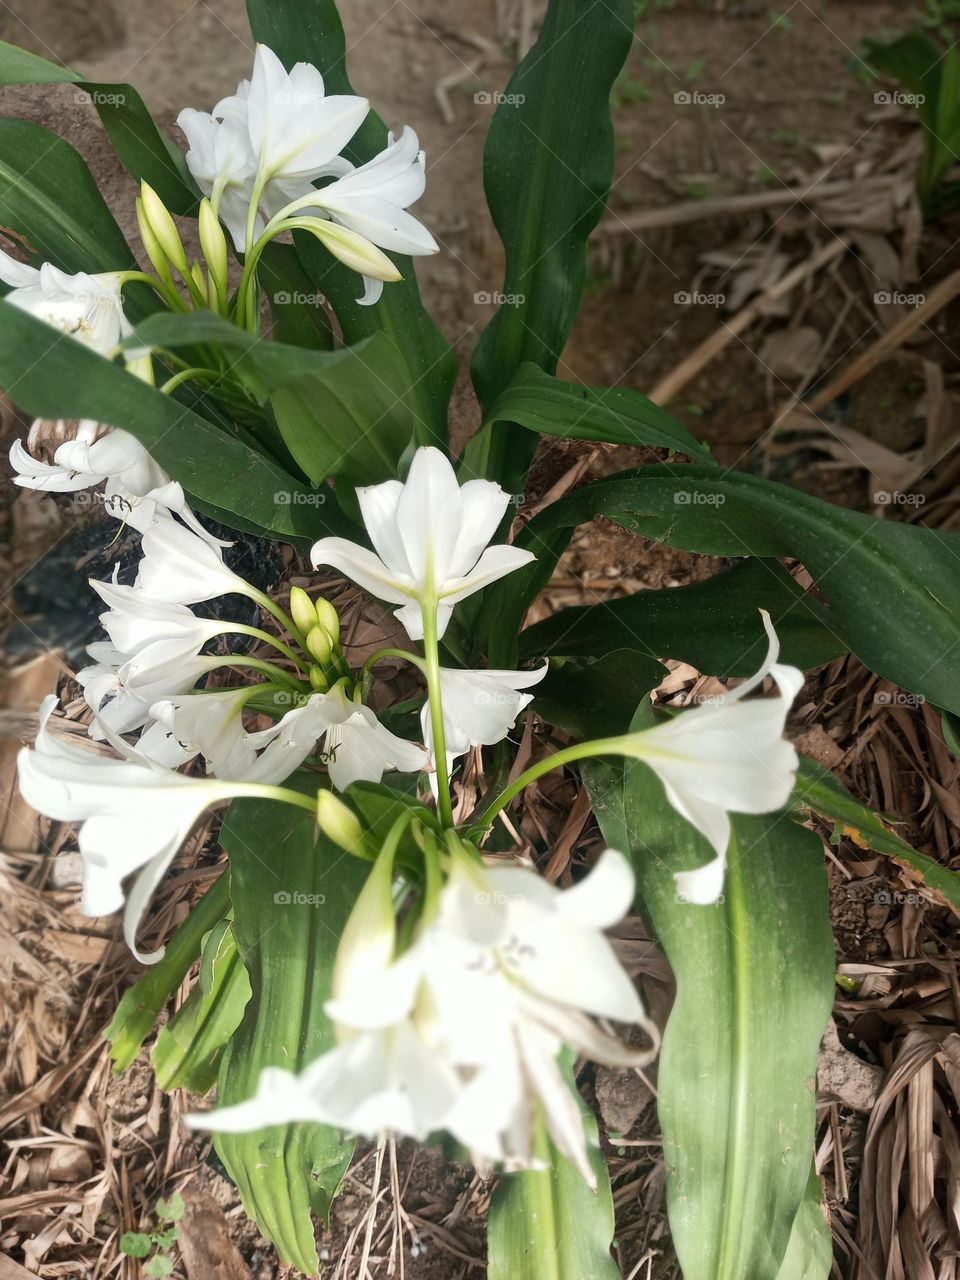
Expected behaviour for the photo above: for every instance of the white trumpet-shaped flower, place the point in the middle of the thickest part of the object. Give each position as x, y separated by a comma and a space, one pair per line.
179, 567
726, 756
430, 536
462, 1031
88, 308
479, 707
133, 817
358, 748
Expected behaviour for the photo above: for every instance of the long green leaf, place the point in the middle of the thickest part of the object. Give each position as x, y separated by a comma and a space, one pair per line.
736, 1083
547, 168
874, 574
52, 376
713, 625
48, 195
140, 1006
544, 404
818, 791
312, 32
546, 1224
809, 1253
187, 1052
287, 943
143, 150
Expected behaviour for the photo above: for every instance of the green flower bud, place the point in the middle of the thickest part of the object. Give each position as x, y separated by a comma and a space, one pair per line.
152, 245
163, 227
302, 610
214, 245
329, 619
339, 823
318, 681
319, 646
352, 249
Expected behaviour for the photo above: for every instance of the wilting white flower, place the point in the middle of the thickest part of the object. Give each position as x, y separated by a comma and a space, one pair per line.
430, 536
87, 307
462, 1031
479, 707
727, 756
134, 816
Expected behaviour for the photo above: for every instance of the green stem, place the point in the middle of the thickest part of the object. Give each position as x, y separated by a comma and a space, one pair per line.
273, 674
187, 375
413, 658
283, 618
579, 751
241, 629
431, 669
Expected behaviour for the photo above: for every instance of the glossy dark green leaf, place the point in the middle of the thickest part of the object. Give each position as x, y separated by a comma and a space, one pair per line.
141, 1004
51, 376
893, 589
313, 32
292, 894
48, 195
187, 1052
143, 150
713, 625
548, 163
544, 404
754, 973
596, 699
818, 791
299, 317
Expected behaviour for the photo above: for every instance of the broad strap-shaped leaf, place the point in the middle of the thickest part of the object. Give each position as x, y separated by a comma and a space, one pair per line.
547, 405
140, 1006
187, 1052
809, 1253
50, 375
48, 196
873, 573
143, 150
546, 1224
596, 699
312, 32
818, 791
754, 974
292, 894
548, 163
296, 310
713, 625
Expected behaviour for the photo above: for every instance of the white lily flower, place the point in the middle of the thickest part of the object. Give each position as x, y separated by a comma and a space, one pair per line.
727, 756
222, 162
383, 1075
297, 129
518, 968
358, 748
179, 567
119, 706
462, 1031
133, 817
211, 725
135, 487
87, 307
430, 536
479, 707
152, 636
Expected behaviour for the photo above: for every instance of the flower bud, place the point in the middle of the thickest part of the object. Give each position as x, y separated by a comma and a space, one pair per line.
151, 244
328, 618
353, 250
318, 681
339, 823
302, 610
157, 215
214, 245
199, 280
319, 646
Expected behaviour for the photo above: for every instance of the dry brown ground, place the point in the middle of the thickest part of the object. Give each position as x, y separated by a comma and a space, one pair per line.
86, 1155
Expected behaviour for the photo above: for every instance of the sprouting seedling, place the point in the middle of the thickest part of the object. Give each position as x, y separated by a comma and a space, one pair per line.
156, 1245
